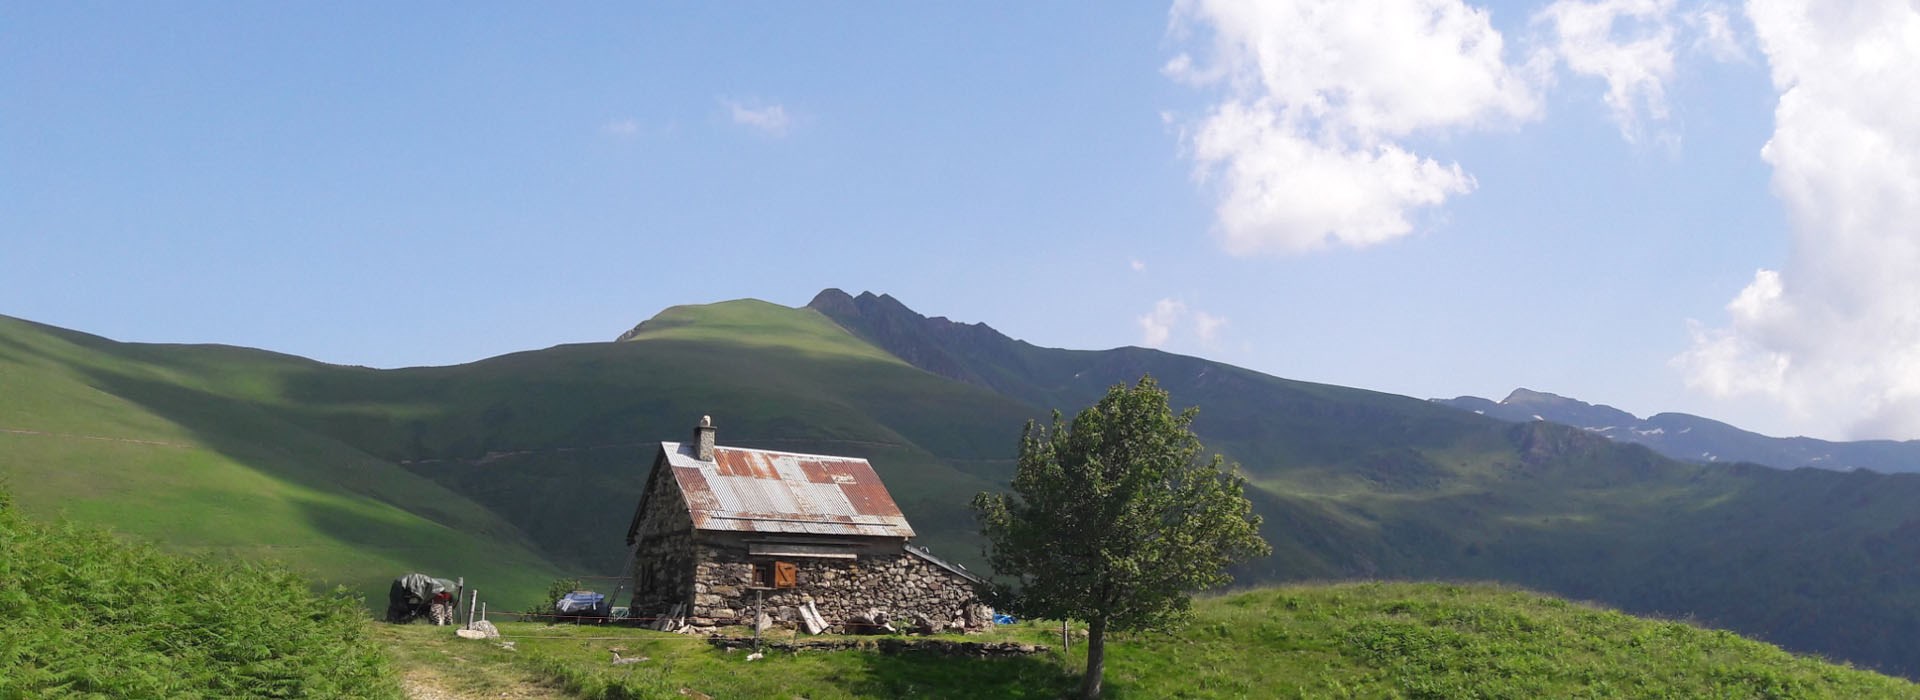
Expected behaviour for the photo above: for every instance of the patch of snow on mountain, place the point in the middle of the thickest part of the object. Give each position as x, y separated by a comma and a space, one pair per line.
1655, 431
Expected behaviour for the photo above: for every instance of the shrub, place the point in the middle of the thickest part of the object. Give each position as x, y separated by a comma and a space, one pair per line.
82, 613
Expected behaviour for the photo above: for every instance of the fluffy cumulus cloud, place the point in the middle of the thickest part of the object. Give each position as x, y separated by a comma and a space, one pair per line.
771, 119
1168, 316
1307, 145
1627, 43
1835, 334
1631, 46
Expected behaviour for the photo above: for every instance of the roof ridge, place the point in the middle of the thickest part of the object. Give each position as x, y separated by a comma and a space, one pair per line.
677, 445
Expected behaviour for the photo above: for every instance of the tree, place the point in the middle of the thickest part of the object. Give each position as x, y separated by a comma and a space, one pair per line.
1116, 520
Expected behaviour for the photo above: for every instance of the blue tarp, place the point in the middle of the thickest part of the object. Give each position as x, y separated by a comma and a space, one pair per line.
583, 603
1003, 619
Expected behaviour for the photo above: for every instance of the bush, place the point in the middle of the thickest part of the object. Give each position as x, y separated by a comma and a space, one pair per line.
556, 590
82, 613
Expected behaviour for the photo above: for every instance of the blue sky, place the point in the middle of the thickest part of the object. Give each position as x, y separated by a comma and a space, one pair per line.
1428, 197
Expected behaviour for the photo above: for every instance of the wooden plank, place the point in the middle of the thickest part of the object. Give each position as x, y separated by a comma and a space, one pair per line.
810, 618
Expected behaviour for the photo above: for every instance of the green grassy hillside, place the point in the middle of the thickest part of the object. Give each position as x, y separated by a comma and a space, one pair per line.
1356, 483
545, 451
85, 615
559, 441
167, 443
1341, 641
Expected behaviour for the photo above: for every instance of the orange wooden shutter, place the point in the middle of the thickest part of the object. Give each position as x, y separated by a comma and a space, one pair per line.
785, 575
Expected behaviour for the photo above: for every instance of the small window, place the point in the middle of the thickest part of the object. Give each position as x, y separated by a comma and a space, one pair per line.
776, 574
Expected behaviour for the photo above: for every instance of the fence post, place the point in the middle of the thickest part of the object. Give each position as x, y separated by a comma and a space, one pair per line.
474, 603
756, 619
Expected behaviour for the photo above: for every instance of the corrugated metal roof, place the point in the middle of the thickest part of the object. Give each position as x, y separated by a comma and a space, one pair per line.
746, 490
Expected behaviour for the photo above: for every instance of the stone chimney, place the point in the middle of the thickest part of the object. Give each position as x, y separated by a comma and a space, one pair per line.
703, 439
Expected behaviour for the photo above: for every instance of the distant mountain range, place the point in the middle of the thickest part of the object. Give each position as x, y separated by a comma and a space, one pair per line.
515, 469
1695, 439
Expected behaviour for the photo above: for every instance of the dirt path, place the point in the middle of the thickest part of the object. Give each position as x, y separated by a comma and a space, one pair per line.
100, 438
426, 683
435, 665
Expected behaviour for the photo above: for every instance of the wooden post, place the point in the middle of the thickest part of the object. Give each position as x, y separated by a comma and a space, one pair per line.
459, 597
483, 612
1066, 640
471, 604
757, 613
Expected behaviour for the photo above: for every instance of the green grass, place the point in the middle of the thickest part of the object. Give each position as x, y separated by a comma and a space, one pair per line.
85, 615
518, 469
757, 323
1369, 640
176, 445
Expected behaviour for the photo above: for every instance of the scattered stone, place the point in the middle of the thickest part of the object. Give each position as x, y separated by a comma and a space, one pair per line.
871, 622
979, 618
927, 625
619, 660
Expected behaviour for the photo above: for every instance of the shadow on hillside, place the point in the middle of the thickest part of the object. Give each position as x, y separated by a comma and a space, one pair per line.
1811, 560
254, 436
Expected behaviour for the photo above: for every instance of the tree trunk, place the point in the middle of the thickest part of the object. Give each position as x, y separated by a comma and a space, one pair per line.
1096, 658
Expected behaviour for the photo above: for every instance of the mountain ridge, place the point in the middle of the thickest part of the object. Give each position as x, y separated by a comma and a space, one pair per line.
1697, 439
1352, 483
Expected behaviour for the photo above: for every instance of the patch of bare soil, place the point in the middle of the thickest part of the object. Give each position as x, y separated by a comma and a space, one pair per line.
426, 683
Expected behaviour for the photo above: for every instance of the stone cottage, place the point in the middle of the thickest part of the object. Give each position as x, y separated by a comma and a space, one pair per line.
812, 539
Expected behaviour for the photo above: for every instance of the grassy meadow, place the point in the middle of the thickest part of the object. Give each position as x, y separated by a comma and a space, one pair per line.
1363, 640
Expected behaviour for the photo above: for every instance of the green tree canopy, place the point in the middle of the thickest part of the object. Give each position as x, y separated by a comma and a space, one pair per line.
1116, 519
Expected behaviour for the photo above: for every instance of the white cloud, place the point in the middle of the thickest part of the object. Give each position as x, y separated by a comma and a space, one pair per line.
1305, 145
1712, 26
1157, 325
1169, 315
1627, 43
1137, 265
1207, 326
621, 128
769, 118
1835, 334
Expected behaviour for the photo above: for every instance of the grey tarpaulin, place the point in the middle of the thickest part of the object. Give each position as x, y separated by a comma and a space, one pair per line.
411, 594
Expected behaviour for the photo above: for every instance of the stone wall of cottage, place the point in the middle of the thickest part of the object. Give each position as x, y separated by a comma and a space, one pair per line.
894, 581
663, 549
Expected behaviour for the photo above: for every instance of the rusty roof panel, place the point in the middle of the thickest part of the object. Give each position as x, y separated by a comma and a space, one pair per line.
747, 490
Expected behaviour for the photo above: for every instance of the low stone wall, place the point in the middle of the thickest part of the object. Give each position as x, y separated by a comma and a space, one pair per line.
899, 585
890, 645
